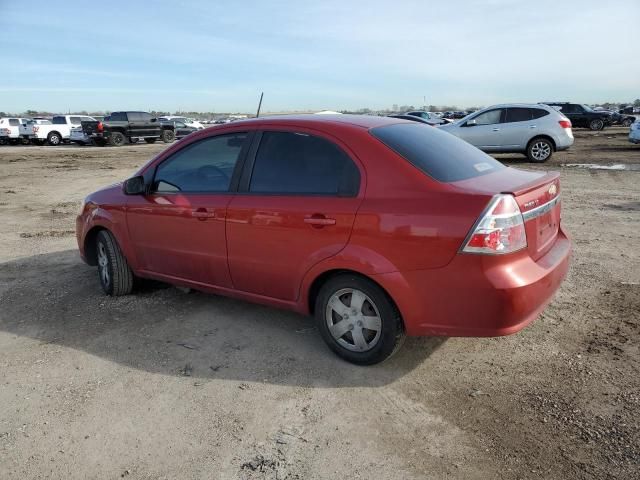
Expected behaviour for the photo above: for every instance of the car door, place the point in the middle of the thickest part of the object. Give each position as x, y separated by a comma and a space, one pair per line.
296, 206
178, 228
517, 128
483, 130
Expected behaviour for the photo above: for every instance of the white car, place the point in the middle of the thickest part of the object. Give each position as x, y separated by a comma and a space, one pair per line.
10, 129
634, 132
189, 122
536, 130
59, 130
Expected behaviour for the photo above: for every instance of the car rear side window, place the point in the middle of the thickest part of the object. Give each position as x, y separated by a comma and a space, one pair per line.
291, 163
14, 122
75, 120
59, 121
538, 113
440, 155
204, 166
118, 117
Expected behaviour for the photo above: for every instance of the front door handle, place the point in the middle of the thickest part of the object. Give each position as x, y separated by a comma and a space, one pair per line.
202, 214
319, 221
496, 129
532, 126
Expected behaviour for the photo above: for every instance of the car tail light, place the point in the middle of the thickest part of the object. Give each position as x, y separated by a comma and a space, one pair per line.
500, 230
35, 129
100, 127
565, 123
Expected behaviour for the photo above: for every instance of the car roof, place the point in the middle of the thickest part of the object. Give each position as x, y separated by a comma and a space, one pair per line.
310, 120
516, 105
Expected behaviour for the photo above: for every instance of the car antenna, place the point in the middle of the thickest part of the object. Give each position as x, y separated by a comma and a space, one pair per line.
259, 105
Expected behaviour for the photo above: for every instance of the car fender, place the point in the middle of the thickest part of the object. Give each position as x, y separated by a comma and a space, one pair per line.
114, 220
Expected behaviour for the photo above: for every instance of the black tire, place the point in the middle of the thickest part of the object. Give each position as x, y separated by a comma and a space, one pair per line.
39, 142
168, 136
117, 139
3, 141
150, 140
98, 142
14, 141
25, 141
116, 277
539, 150
627, 122
391, 333
134, 140
596, 124
54, 139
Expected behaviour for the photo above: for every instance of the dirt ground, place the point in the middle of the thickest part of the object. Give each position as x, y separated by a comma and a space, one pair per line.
164, 384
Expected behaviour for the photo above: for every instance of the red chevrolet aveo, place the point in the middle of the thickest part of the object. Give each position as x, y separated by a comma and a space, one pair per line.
379, 227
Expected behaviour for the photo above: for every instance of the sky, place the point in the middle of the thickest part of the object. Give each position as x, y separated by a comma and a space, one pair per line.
219, 55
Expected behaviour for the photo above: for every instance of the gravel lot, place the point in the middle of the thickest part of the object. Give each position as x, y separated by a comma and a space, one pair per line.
164, 384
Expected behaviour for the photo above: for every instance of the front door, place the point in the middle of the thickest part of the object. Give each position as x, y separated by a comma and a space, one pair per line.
296, 206
483, 130
178, 229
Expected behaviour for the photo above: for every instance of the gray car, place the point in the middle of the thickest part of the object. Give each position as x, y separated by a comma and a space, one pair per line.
532, 129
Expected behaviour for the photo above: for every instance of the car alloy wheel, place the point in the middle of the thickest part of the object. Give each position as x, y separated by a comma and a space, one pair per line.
103, 265
353, 320
540, 151
596, 125
54, 139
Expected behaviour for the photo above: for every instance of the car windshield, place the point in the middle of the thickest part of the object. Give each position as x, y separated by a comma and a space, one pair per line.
440, 155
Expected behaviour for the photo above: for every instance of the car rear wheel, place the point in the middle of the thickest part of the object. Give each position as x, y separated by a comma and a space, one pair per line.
54, 139
539, 150
117, 139
115, 274
357, 320
596, 124
150, 140
627, 122
134, 140
168, 136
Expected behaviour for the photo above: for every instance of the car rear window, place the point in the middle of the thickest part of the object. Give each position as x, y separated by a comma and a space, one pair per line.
440, 155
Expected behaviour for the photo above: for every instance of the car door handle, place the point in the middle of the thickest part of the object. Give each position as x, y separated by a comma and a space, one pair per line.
496, 129
202, 214
319, 221
532, 126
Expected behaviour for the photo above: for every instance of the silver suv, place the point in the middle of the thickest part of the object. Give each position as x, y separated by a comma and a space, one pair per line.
532, 129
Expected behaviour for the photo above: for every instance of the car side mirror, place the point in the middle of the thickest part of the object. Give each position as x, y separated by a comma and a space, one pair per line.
134, 186
471, 123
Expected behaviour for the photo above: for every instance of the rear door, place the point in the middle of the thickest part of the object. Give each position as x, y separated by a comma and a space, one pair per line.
517, 128
486, 132
297, 202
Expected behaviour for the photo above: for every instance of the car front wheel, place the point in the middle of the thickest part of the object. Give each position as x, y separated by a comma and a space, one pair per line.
115, 274
357, 320
596, 124
627, 122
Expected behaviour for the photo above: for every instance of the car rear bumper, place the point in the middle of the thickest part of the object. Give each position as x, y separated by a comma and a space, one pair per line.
478, 295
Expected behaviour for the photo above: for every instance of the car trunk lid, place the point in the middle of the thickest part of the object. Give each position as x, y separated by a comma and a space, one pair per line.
538, 197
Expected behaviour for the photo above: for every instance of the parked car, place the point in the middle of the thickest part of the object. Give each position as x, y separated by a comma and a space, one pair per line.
534, 130
582, 116
122, 127
58, 130
634, 132
27, 131
182, 129
414, 118
433, 119
622, 119
190, 122
377, 226
10, 129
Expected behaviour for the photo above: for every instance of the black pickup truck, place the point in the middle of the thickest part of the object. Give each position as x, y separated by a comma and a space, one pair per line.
122, 127
582, 116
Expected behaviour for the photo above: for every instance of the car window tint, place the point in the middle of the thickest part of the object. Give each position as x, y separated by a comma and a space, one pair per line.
488, 118
118, 117
439, 154
518, 115
59, 120
204, 166
538, 113
14, 122
75, 120
298, 163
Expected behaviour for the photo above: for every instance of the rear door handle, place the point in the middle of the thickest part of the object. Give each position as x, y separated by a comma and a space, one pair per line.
319, 221
496, 129
532, 126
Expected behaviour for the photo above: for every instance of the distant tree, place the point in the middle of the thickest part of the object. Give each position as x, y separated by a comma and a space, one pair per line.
31, 113
636, 102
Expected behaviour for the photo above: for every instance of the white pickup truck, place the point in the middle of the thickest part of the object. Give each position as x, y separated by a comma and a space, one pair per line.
10, 129
59, 130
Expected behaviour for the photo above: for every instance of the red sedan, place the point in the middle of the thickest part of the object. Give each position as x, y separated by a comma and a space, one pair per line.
379, 227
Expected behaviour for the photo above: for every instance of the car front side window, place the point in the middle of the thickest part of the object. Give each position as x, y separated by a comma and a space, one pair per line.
204, 166
488, 118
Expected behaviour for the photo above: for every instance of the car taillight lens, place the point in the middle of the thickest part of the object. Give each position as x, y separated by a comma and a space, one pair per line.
35, 129
565, 123
500, 230
100, 127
